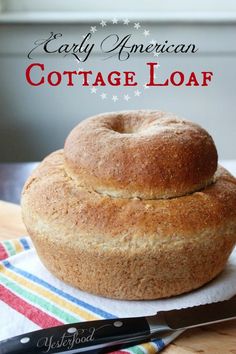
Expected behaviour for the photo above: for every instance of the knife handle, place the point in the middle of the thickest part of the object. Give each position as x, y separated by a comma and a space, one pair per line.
86, 336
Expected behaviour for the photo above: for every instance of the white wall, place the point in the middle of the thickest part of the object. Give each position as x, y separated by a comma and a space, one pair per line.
130, 6
36, 120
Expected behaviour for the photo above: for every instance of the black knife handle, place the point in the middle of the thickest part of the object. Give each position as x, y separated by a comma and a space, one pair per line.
79, 337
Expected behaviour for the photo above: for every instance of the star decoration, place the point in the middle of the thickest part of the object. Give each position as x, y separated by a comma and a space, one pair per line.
126, 98
114, 98
137, 93
137, 25
103, 23
93, 29
143, 31
126, 21
146, 33
103, 96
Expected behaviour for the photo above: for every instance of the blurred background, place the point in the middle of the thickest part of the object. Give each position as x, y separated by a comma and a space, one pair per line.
36, 120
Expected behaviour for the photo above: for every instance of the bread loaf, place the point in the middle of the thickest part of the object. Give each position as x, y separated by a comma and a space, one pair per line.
134, 207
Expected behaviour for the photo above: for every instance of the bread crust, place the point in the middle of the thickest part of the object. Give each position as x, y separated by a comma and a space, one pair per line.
145, 154
128, 248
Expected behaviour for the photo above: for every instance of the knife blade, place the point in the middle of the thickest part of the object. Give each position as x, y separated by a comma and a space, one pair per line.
196, 316
101, 335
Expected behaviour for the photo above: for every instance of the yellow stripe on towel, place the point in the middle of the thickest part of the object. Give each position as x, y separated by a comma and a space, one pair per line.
17, 245
150, 348
63, 303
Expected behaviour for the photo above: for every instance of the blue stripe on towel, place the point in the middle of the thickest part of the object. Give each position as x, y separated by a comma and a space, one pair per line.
67, 296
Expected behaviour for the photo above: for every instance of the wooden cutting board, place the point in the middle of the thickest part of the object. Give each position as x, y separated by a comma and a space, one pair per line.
214, 339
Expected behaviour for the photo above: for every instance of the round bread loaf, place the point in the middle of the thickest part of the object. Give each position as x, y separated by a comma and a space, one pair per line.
133, 207
144, 154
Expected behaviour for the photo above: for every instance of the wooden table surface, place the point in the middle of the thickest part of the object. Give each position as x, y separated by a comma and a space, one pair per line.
214, 339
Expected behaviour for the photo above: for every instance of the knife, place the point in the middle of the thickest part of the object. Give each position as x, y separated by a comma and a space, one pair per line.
102, 336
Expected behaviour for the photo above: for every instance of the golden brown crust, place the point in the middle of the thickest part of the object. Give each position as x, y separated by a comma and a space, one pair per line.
146, 154
129, 248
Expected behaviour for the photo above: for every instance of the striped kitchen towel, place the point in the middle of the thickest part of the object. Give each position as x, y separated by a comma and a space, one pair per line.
32, 298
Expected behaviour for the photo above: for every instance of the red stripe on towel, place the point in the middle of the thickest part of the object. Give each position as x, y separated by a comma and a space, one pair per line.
3, 253
29, 311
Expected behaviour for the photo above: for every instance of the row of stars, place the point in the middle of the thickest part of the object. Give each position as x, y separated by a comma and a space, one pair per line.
115, 98
146, 32
126, 22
